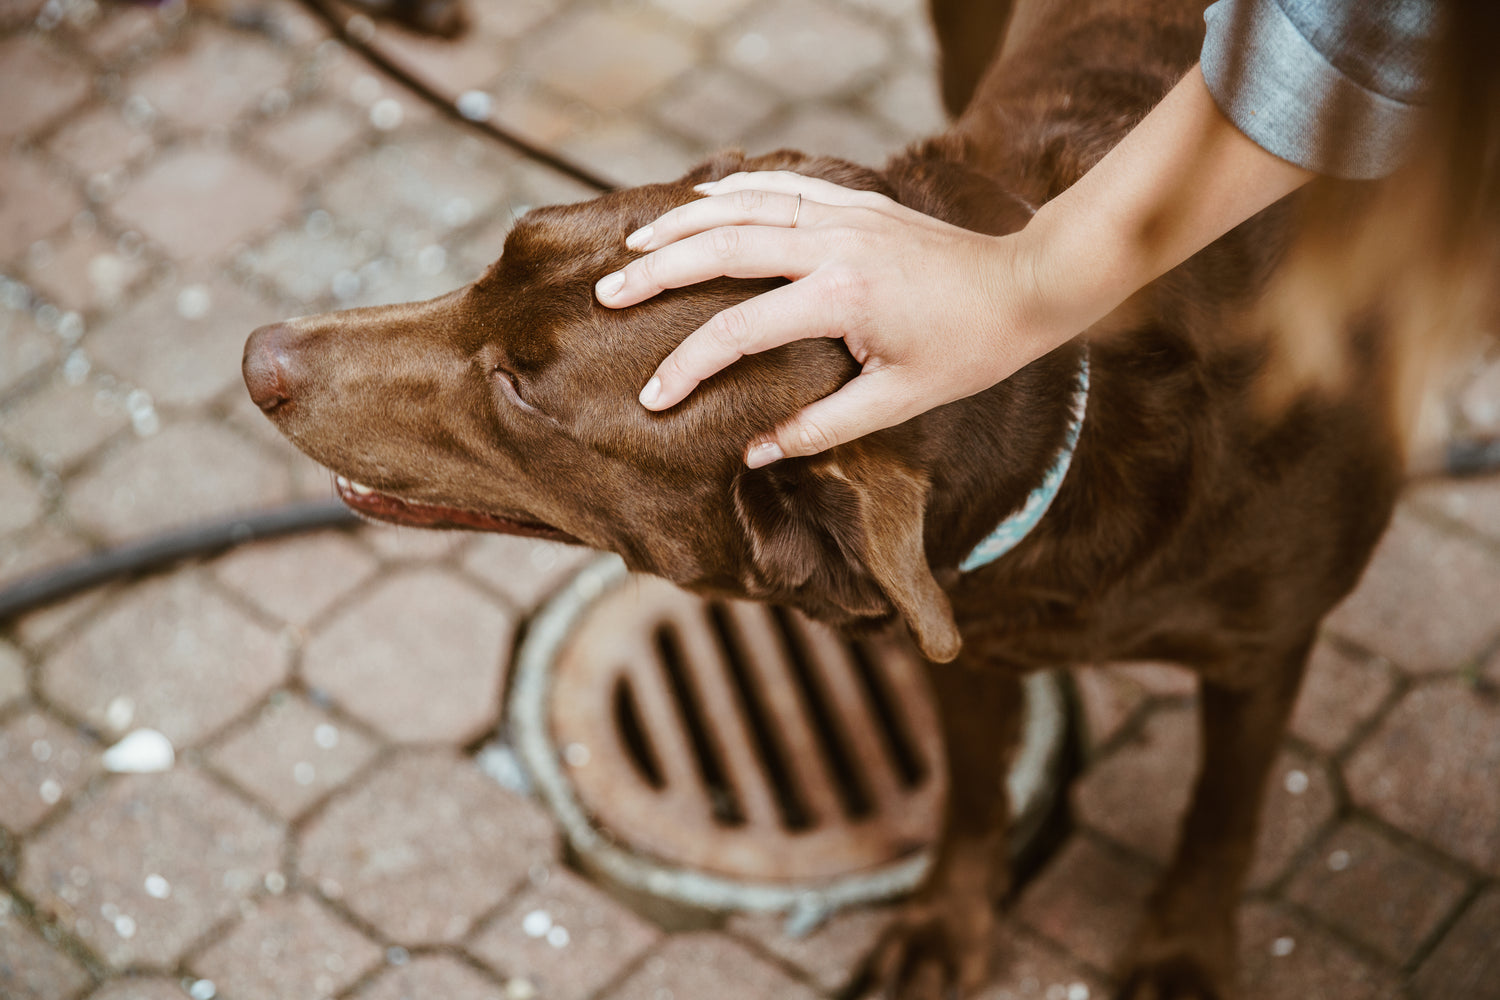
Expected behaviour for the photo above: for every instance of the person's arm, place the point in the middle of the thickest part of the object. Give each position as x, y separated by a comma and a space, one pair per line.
933, 312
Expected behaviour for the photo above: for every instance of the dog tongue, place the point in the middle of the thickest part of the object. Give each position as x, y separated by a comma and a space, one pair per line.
384, 507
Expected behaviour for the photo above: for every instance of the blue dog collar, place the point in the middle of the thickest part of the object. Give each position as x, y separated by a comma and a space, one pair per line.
1008, 534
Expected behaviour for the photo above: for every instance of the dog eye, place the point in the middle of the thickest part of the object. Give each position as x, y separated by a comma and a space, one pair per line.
512, 389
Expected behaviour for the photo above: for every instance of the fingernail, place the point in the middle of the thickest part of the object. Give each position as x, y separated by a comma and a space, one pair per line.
610, 284
652, 391
763, 454
638, 239
707, 188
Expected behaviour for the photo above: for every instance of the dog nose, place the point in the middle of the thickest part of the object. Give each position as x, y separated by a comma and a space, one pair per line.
267, 366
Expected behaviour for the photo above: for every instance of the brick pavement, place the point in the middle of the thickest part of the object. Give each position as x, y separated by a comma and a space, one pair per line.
169, 181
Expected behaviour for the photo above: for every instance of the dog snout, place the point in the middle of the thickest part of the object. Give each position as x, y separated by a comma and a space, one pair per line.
269, 366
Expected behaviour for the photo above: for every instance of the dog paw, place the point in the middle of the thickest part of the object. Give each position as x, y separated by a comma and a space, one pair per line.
1177, 978
930, 953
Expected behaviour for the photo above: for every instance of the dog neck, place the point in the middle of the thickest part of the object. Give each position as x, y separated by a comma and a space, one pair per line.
997, 459
1018, 524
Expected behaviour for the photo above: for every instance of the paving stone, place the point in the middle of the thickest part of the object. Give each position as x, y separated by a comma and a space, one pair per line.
536, 185
311, 264
715, 106
293, 754
514, 19
703, 13
183, 342
1163, 680
30, 968
526, 570
34, 201
1025, 968
458, 64
626, 152
1471, 502
1479, 399
62, 422
415, 275
20, 501
432, 976
422, 658
199, 202
33, 550
24, 348
289, 947
340, 74
910, 101
804, 50
1087, 900
140, 988
217, 76
1376, 890
311, 136
1339, 695
298, 579
16, 13
1161, 756
12, 674
566, 938
146, 867
1317, 967
42, 762
101, 141
1466, 963
171, 655
424, 847
122, 34
1299, 803
914, 12
831, 954
39, 84
185, 473
708, 965
481, 246
1427, 601
827, 132
86, 273
609, 58
415, 192
1109, 700
1429, 769
537, 113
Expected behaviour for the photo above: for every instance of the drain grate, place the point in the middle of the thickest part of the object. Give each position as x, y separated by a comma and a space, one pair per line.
734, 755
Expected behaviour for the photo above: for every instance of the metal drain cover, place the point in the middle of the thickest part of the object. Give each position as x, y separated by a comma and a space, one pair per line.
732, 755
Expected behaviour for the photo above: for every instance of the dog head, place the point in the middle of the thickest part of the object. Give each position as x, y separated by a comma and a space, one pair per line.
510, 405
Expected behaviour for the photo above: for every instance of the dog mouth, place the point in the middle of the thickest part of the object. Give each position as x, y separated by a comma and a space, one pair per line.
379, 506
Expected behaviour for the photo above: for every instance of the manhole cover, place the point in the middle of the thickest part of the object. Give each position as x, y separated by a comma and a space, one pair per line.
738, 756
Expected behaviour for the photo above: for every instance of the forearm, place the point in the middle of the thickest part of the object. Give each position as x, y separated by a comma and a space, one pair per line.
1180, 179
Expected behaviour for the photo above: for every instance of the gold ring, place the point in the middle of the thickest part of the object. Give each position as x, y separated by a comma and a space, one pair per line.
798, 213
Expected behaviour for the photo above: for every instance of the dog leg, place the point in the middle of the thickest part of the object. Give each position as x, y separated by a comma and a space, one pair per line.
1185, 948
968, 34
939, 945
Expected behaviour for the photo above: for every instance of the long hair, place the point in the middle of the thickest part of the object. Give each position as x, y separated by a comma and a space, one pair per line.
1416, 255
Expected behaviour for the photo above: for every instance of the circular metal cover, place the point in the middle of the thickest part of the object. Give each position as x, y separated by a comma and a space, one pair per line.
739, 756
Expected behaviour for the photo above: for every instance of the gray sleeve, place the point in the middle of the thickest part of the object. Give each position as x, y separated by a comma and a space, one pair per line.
1335, 86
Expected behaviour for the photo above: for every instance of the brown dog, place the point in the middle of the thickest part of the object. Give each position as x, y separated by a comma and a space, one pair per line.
1192, 526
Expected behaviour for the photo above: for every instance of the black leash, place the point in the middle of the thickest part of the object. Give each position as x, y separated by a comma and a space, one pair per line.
324, 11
161, 551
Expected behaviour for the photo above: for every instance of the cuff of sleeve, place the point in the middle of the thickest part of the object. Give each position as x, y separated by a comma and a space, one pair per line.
1279, 90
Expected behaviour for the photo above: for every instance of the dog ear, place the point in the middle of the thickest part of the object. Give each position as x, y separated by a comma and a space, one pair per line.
845, 529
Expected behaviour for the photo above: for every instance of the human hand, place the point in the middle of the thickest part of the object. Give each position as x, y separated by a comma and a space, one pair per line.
931, 312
